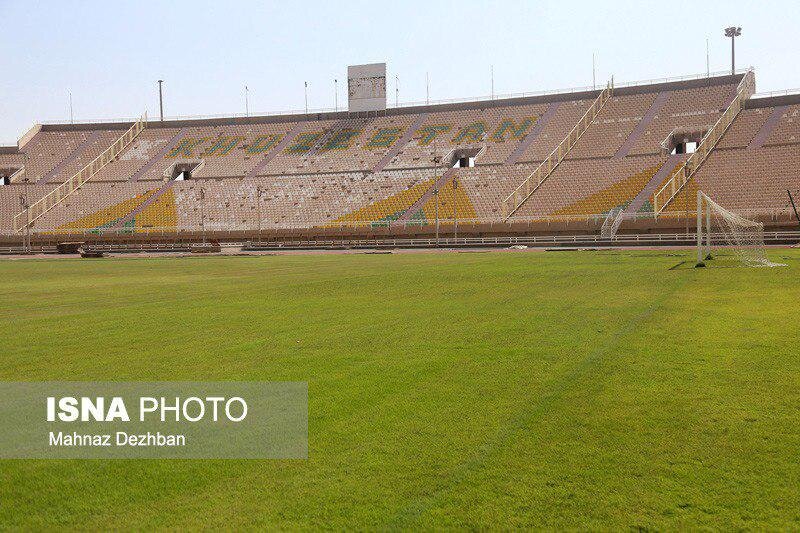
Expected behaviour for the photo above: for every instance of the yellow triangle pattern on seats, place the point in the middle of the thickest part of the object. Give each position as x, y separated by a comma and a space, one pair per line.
618, 194
664, 182
677, 203
388, 208
685, 201
162, 213
109, 215
464, 207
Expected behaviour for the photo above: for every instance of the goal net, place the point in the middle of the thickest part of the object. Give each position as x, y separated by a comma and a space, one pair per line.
722, 233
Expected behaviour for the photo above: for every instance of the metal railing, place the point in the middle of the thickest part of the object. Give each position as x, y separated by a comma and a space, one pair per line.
17, 175
27, 217
592, 221
675, 184
525, 189
685, 239
770, 94
401, 105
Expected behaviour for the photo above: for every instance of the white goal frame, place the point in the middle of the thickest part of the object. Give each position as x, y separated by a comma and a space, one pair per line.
743, 236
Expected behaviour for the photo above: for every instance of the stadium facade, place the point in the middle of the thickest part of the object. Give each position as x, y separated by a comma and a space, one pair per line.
629, 159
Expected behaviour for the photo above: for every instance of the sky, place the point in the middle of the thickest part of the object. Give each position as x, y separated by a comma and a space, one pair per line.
109, 55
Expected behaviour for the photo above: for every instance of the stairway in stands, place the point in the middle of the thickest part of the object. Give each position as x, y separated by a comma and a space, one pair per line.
37, 209
159, 156
401, 142
530, 184
277, 149
427, 195
69, 159
766, 130
523, 146
130, 217
662, 197
643, 124
670, 165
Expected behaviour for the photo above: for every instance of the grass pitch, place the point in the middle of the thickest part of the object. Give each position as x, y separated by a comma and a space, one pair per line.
596, 390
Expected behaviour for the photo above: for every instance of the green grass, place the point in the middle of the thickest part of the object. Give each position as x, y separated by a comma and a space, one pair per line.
589, 390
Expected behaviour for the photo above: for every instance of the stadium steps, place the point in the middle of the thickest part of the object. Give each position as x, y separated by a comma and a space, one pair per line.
277, 149
615, 196
107, 217
69, 159
401, 142
159, 156
530, 184
427, 195
452, 193
656, 181
43, 205
643, 124
662, 197
330, 134
523, 146
768, 127
159, 214
386, 210
127, 219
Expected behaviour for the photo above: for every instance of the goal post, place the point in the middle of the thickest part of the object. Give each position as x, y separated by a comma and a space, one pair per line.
700, 246
729, 234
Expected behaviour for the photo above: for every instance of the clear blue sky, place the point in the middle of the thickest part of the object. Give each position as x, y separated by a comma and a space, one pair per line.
109, 54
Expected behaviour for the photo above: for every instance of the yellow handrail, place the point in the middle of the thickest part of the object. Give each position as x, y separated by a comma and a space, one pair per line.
525, 189
671, 188
28, 216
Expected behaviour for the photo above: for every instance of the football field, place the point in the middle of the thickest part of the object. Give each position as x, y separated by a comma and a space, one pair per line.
581, 390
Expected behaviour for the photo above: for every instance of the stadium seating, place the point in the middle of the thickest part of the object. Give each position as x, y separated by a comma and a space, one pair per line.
603, 184
149, 142
95, 205
744, 129
787, 131
697, 108
752, 181
351, 169
567, 115
612, 126
48, 149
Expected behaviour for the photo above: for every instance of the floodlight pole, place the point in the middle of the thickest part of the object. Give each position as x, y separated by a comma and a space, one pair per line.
427, 89
335, 94
161, 100
306, 95
733, 32
246, 101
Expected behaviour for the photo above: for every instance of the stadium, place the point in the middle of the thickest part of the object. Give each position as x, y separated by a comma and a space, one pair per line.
492, 303
624, 160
